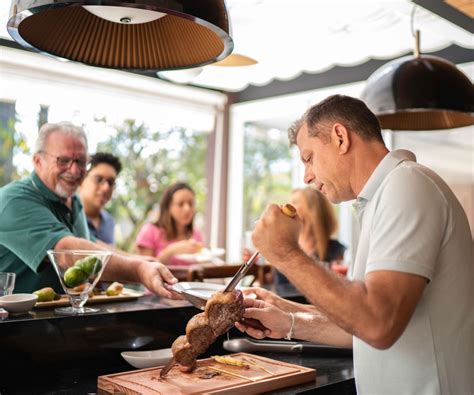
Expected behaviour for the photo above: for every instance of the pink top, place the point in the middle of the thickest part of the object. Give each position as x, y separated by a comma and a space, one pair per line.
150, 236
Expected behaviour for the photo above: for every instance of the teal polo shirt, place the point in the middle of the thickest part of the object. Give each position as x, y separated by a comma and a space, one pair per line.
32, 220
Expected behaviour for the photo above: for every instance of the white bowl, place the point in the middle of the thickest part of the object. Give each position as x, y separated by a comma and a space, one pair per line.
18, 303
147, 359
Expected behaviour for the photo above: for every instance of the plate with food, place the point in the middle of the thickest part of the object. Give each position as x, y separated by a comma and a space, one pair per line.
115, 292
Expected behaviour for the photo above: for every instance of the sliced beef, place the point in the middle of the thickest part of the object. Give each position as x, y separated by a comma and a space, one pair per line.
222, 310
183, 352
199, 333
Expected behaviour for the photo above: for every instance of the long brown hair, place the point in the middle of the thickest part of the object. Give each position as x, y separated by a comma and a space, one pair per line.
319, 219
165, 220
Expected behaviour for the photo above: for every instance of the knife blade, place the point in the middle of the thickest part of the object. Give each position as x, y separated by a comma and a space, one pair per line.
241, 272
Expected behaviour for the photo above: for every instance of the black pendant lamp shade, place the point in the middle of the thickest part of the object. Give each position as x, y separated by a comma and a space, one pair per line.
420, 93
127, 34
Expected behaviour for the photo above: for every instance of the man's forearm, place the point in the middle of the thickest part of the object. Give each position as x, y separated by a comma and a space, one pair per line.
316, 327
335, 296
291, 306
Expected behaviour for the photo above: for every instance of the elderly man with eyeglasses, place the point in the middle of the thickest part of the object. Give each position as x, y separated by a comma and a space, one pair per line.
96, 191
42, 212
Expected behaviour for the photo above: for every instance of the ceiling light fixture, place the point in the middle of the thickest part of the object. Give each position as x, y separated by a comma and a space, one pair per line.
235, 60
133, 34
184, 76
187, 76
420, 92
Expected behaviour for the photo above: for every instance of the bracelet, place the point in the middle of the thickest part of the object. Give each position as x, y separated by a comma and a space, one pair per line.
290, 332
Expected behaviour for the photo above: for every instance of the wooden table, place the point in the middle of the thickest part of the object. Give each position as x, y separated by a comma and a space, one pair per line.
202, 271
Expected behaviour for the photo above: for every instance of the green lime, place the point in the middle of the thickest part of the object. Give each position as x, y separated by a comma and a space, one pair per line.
75, 276
90, 265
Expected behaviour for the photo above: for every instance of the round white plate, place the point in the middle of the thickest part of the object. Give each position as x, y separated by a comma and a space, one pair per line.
203, 290
147, 359
205, 255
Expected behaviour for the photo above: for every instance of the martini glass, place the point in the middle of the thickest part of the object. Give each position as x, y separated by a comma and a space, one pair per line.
78, 271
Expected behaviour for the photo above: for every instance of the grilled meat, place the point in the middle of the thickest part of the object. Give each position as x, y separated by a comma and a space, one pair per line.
184, 353
222, 310
199, 333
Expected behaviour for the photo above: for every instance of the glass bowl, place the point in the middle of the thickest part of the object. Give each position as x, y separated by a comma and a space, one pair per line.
78, 271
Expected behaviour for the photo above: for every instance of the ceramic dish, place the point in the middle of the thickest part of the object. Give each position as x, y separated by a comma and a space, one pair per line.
199, 289
18, 303
205, 255
147, 359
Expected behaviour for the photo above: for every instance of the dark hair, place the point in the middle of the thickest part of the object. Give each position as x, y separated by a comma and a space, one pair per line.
165, 220
351, 112
105, 157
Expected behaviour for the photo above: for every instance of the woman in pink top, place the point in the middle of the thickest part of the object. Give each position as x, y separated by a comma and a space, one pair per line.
173, 233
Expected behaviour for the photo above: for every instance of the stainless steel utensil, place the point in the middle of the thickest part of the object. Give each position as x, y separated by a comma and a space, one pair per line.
195, 300
241, 272
252, 345
286, 209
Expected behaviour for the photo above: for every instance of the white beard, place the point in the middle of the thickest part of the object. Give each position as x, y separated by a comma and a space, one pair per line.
59, 190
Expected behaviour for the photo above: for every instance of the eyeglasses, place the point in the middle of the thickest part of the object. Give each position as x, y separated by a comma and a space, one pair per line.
99, 180
65, 162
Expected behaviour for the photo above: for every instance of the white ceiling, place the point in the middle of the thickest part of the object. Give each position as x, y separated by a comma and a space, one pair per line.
289, 37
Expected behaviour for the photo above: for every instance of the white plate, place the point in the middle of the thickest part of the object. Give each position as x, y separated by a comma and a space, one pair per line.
18, 303
203, 290
205, 255
147, 359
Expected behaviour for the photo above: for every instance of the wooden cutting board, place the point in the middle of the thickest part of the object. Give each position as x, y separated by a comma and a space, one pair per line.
265, 375
128, 294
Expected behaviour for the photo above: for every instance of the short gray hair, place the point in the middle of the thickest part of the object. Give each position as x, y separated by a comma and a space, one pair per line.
66, 128
352, 112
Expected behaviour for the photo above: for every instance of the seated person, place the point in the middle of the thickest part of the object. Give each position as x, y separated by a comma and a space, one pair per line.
319, 225
174, 232
95, 192
42, 212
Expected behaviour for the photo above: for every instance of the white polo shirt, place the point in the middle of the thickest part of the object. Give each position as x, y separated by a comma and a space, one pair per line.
411, 222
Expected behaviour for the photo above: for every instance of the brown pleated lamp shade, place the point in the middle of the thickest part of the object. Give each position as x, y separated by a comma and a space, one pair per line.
183, 34
420, 93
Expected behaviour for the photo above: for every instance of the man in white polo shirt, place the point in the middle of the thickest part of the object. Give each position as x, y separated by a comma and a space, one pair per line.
408, 312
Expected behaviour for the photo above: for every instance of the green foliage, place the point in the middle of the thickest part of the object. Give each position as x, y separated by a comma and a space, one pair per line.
152, 160
11, 143
267, 176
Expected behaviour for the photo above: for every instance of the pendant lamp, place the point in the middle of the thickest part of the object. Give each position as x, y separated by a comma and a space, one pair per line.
125, 34
420, 92
189, 75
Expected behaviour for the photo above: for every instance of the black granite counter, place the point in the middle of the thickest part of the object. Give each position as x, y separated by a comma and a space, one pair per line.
45, 353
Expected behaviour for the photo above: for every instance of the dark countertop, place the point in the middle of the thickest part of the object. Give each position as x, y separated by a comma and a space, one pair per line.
64, 354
